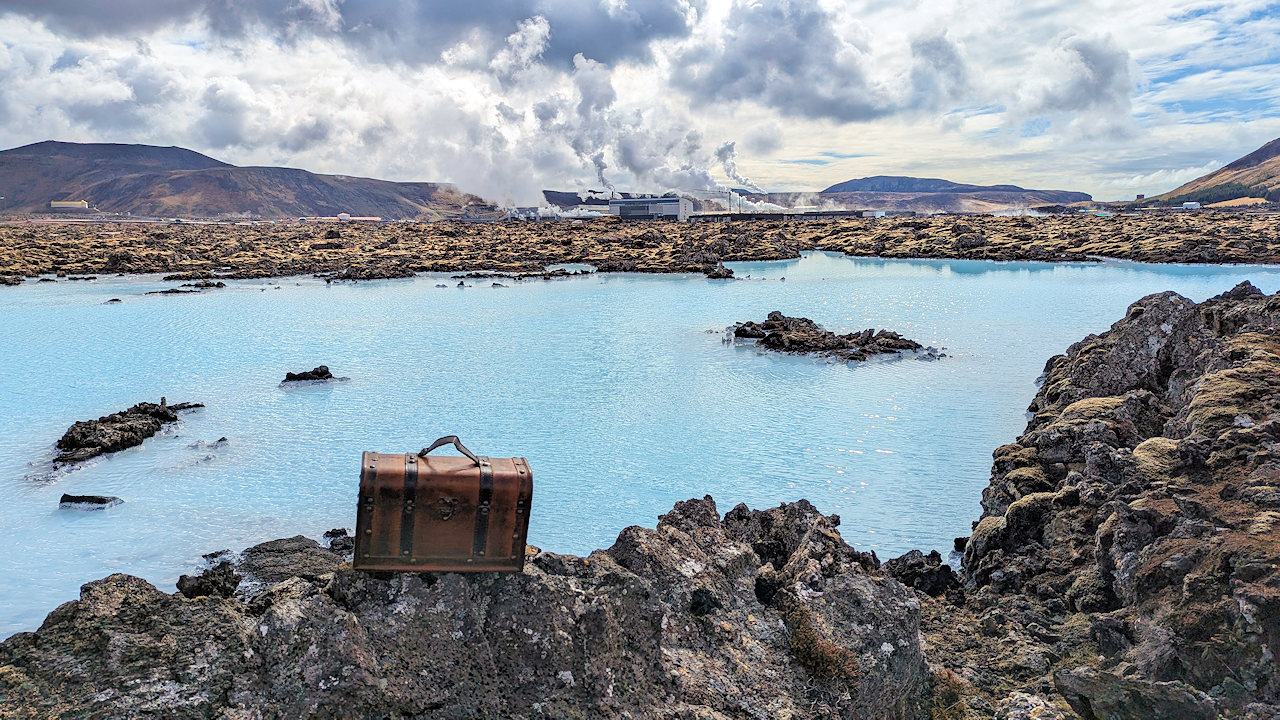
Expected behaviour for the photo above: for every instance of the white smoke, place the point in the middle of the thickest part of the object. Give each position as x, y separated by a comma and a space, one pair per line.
598, 161
727, 154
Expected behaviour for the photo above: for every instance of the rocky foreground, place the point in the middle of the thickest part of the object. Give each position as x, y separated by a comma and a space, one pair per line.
1127, 565
802, 336
391, 250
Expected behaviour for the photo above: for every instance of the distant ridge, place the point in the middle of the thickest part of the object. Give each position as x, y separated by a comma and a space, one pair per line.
149, 180
898, 183
1256, 175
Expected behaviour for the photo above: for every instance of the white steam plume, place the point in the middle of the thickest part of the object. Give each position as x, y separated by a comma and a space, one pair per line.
727, 154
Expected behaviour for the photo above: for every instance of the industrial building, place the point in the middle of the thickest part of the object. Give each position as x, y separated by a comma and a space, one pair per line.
69, 205
663, 208
341, 217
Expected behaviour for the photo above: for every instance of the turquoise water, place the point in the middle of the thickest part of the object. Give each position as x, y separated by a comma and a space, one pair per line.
613, 386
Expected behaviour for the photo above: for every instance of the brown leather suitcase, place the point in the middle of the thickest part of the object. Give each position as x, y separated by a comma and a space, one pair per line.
442, 513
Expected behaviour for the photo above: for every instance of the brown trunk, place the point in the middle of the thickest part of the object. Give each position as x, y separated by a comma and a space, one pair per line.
442, 514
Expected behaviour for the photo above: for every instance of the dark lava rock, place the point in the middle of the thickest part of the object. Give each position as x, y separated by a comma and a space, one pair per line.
88, 502
278, 560
112, 301
192, 275
664, 624
376, 271
117, 431
172, 291
803, 336
1125, 500
720, 272
205, 284
340, 541
318, 373
10, 280
1096, 694
483, 275
926, 573
221, 580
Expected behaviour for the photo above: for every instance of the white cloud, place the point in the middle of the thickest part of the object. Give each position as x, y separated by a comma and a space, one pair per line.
644, 93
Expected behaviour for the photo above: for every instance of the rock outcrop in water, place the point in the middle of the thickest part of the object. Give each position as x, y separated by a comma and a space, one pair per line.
759, 614
319, 373
90, 438
87, 502
803, 336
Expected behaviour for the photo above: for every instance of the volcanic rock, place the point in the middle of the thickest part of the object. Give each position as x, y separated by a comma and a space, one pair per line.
667, 623
1124, 503
719, 272
803, 336
89, 438
88, 502
320, 373
340, 541
926, 573
221, 580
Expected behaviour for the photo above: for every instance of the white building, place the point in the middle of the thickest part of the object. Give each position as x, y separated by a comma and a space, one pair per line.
664, 208
1190, 206
872, 213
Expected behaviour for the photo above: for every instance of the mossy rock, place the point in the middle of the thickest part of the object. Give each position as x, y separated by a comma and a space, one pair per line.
1157, 457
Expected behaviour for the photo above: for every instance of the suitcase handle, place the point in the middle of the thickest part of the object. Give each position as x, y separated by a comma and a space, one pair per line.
447, 439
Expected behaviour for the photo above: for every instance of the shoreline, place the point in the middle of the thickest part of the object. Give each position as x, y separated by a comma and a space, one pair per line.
404, 249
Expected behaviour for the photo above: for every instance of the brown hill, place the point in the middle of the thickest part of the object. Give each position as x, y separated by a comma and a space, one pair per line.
172, 181
1256, 175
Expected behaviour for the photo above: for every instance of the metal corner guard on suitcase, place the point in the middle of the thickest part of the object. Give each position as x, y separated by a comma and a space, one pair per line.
442, 513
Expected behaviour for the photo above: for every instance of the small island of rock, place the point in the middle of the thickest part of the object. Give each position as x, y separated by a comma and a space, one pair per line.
803, 336
90, 438
319, 373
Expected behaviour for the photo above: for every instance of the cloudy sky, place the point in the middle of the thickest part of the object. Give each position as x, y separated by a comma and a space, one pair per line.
1110, 97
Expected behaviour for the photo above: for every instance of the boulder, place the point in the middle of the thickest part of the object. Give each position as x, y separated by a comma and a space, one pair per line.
87, 502
221, 580
320, 373
1106, 695
720, 272
926, 573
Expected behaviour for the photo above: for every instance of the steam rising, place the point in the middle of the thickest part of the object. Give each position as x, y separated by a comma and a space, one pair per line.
727, 154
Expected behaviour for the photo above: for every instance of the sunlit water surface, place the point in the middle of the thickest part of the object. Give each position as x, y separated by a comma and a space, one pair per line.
618, 388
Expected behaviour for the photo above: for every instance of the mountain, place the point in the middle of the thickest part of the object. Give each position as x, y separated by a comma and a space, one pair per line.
928, 195
172, 181
1256, 175
900, 184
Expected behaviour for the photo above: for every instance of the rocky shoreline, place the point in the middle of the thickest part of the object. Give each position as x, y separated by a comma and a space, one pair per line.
802, 336
1126, 565
394, 250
